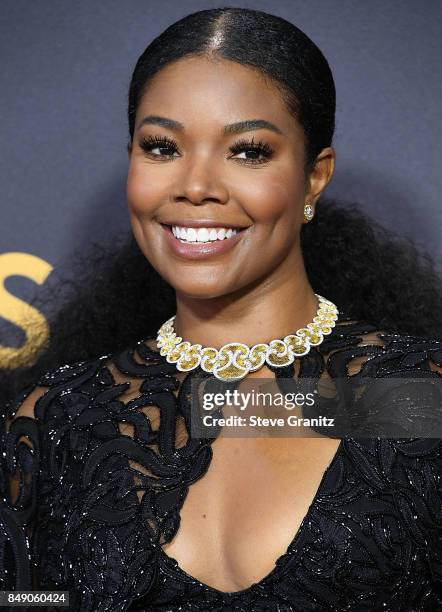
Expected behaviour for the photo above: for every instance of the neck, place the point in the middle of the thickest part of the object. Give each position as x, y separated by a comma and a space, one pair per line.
270, 309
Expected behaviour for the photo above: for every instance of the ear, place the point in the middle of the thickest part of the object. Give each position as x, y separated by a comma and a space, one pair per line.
321, 174
129, 149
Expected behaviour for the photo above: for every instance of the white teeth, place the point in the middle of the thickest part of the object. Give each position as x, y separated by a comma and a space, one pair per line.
191, 234
202, 234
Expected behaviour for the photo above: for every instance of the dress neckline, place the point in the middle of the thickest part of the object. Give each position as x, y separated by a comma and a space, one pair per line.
170, 563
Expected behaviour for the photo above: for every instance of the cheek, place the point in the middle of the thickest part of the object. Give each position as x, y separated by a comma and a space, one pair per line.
270, 200
144, 193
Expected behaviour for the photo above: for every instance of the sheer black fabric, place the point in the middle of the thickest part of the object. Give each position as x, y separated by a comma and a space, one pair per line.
100, 483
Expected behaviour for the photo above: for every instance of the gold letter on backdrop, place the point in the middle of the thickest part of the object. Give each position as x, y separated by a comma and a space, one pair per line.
18, 312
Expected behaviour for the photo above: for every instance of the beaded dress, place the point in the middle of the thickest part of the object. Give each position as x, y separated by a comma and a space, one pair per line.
88, 522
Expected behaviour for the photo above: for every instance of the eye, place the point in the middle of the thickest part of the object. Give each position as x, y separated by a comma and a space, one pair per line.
256, 148
162, 143
261, 151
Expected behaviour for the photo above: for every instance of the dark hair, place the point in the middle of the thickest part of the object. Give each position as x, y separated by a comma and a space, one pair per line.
370, 273
276, 48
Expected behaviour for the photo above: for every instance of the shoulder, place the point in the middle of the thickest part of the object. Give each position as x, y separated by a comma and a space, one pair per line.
390, 384
69, 386
61, 380
26, 420
372, 350
413, 352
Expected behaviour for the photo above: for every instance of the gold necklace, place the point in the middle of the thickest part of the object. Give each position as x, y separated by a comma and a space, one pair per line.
235, 360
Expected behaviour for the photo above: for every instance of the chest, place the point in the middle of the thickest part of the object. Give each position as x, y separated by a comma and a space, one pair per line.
242, 515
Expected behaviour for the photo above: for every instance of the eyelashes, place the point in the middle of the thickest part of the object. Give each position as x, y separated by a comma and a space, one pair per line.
153, 142
260, 148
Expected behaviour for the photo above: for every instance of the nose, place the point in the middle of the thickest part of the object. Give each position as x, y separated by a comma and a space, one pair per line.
201, 182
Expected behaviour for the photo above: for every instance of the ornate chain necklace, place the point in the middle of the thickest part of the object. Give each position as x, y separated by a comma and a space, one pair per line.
235, 360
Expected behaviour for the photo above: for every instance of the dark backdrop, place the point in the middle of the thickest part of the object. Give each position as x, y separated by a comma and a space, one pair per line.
65, 71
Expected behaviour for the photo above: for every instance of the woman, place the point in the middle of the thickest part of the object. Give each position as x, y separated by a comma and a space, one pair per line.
231, 116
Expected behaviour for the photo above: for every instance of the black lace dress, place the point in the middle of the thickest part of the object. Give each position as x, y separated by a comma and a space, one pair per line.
85, 520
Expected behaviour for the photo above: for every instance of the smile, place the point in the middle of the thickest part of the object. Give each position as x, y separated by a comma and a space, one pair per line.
201, 242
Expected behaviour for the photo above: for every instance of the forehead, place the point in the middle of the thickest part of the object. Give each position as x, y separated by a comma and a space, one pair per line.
215, 91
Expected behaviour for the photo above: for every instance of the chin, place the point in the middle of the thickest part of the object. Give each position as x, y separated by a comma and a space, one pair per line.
203, 288
197, 291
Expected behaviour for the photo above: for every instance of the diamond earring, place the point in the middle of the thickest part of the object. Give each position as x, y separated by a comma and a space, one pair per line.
308, 212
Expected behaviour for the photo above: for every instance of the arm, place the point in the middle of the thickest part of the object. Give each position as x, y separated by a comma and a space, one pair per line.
20, 435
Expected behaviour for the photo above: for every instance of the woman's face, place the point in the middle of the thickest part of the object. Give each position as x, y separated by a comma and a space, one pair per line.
192, 166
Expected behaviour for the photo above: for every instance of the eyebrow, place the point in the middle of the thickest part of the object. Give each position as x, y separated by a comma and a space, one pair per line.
232, 128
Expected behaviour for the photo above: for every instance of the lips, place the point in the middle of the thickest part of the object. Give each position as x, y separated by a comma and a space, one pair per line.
200, 250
